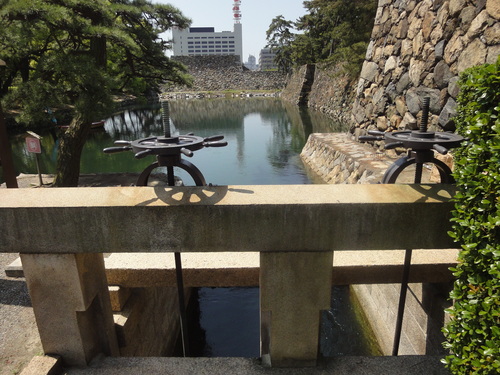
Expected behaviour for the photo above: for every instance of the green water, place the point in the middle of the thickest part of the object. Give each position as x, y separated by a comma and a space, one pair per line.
265, 137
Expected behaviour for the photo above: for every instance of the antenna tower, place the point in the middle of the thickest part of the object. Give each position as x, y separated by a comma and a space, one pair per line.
237, 11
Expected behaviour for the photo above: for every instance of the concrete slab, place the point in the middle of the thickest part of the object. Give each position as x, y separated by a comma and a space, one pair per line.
242, 269
408, 365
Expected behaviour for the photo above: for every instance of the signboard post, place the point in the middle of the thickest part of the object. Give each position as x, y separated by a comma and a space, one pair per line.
33, 145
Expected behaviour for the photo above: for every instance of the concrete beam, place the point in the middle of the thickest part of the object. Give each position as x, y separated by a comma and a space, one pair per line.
229, 269
224, 218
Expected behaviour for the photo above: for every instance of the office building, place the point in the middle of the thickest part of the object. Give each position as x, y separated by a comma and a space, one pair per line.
205, 41
266, 59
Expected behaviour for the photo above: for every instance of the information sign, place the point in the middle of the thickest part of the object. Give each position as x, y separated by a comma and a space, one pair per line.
33, 145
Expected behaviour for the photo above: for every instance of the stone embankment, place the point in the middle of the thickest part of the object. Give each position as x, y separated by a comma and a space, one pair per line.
418, 49
323, 88
337, 159
222, 73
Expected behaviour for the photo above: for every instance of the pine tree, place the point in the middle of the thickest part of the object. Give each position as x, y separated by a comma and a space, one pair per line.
76, 55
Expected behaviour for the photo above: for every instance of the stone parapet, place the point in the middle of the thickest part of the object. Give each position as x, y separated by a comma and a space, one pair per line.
127, 219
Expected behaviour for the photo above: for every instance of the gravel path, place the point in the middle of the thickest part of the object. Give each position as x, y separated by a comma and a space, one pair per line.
19, 340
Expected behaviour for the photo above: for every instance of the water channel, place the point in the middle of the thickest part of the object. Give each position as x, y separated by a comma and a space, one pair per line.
265, 138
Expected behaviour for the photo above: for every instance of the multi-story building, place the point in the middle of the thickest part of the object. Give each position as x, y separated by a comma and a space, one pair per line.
266, 59
202, 41
251, 63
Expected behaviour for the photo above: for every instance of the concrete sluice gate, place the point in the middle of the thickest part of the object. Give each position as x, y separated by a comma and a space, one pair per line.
288, 251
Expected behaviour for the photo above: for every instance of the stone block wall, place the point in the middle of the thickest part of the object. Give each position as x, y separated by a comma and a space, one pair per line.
220, 73
418, 49
299, 85
323, 88
336, 159
333, 93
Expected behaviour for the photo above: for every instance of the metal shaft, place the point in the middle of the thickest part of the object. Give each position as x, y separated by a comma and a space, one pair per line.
182, 305
165, 118
406, 270
402, 301
425, 114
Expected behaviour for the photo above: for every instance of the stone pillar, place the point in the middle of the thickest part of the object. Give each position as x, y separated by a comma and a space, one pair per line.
70, 298
294, 288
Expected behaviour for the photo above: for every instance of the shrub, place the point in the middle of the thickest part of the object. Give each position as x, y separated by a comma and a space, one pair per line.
473, 334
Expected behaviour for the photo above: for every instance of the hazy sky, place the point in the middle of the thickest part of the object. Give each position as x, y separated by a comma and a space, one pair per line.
256, 17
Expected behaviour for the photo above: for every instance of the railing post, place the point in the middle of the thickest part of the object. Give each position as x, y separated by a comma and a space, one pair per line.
71, 303
294, 288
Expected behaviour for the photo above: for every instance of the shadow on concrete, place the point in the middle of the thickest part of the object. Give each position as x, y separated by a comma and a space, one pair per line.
200, 195
14, 292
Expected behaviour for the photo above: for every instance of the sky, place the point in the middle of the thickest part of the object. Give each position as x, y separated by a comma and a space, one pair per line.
256, 16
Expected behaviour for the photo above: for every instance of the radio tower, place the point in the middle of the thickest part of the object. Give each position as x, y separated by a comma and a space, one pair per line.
236, 11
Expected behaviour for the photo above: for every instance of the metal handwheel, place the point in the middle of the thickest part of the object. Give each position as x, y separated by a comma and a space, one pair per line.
168, 151
421, 145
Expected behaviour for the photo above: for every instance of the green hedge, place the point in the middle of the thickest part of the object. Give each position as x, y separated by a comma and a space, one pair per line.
473, 334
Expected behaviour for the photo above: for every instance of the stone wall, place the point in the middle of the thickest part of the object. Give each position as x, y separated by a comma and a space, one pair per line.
322, 88
220, 73
418, 49
299, 85
336, 159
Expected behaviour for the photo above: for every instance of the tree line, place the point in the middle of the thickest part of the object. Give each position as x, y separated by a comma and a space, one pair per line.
331, 32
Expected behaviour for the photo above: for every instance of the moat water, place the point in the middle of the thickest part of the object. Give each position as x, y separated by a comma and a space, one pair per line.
265, 138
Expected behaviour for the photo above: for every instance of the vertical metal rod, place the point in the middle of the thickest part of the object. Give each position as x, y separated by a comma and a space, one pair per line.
182, 305
408, 252
418, 172
425, 114
165, 116
402, 301
170, 176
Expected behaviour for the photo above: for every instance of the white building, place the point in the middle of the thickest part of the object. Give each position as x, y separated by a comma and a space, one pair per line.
203, 41
251, 63
266, 59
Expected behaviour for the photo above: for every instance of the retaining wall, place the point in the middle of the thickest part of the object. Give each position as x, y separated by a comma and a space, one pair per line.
418, 49
322, 88
220, 73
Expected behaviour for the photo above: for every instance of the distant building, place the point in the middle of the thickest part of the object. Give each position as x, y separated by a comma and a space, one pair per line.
251, 63
266, 59
202, 41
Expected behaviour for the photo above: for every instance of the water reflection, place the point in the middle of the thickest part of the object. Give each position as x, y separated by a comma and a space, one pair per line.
265, 137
